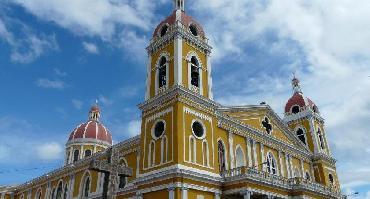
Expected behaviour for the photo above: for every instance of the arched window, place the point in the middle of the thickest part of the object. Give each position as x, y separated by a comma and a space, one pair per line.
301, 135
192, 150
194, 72
321, 140
59, 191
239, 155
271, 164
86, 187
53, 193
22, 197
65, 194
88, 153
151, 157
193, 29
76, 153
331, 179
295, 109
162, 73
205, 153
164, 149
221, 156
164, 30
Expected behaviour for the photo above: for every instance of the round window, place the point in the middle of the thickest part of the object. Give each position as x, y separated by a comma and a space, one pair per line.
198, 129
164, 30
193, 30
159, 129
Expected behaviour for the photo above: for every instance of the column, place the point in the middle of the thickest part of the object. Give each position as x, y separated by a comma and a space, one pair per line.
287, 165
184, 193
178, 60
249, 151
312, 173
302, 169
2, 195
137, 163
171, 192
148, 77
262, 157
82, 152
291, 167
231, 150
209, 71
71, 185
255, 160
314, 136
326, 141
281, 164
217, 195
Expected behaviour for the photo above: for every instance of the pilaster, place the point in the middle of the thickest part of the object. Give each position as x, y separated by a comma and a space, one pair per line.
178, 60
231, 150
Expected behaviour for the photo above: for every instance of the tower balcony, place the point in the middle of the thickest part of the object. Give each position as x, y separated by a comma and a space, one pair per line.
292, 185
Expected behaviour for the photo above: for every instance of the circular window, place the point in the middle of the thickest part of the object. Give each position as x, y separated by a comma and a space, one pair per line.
193, 30
198, 129
164, 30
159, 129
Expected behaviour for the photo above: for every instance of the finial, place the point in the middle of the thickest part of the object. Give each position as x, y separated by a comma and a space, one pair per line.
179, 5
295, 84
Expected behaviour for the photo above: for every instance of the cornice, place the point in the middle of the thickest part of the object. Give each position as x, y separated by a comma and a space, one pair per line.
175, 31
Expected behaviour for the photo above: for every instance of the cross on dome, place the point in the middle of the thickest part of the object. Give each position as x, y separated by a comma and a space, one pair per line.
179, 5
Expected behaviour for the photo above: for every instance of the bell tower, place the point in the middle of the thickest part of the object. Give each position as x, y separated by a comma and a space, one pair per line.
179, 55
304, 119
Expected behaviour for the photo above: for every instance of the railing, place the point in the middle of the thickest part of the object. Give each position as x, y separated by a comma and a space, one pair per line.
296, 183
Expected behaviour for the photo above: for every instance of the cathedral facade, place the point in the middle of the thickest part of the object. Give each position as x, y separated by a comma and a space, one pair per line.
191, 147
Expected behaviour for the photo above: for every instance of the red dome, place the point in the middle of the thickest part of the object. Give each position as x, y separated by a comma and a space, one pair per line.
91, 130
300, 100
183, 18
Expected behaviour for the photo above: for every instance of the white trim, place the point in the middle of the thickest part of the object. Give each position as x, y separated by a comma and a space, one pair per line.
192, 149
164, 153
248, 142
231, 150
153, 129
183, 167
85, 176
151, 156
148, 77
205, 153
210, 83
178, 60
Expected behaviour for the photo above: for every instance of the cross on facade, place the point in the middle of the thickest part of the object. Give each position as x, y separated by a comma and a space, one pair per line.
267, 125
113, 170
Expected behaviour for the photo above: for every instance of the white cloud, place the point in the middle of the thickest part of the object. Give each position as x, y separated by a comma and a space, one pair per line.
134, 127
27, 45
50, 151
90, 47
326, 43
59, 73
53, 84
77, 104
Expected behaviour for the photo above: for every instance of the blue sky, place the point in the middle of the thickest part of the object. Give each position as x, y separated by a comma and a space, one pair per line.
57, 57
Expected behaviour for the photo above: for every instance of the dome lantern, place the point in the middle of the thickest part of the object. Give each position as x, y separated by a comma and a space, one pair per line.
94, 113
179, 5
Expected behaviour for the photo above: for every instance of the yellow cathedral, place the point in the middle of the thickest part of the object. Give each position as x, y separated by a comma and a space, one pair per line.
191, 147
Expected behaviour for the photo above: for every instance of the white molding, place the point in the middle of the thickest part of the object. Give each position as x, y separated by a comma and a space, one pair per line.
178, 61
148, 77
210, 82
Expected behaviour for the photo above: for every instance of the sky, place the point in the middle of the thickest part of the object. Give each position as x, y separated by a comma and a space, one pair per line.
57, 57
